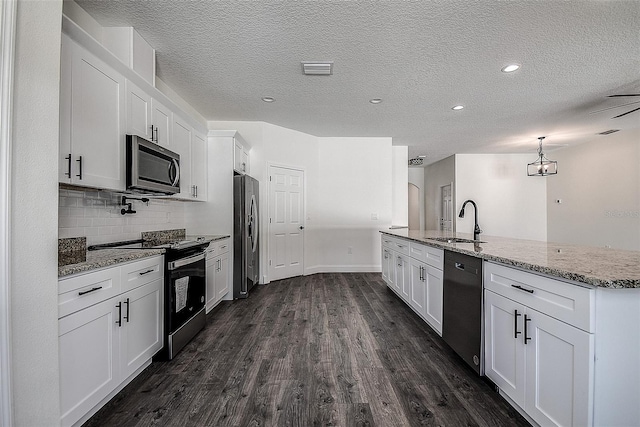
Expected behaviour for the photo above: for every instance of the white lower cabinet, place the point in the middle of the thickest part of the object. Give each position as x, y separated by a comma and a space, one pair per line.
102, 344
543, 365
414, 272
218, 274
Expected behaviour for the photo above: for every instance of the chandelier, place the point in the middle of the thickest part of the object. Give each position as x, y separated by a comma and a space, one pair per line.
542, 166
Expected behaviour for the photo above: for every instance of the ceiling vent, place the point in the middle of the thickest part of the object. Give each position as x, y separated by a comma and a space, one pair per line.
415, 162
317, 68
609, 132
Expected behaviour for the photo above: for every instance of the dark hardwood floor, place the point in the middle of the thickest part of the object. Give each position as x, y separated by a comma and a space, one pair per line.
326, 349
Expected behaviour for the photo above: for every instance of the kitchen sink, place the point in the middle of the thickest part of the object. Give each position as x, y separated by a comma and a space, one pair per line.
454, 240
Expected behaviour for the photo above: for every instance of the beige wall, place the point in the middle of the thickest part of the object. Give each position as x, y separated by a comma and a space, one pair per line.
34, 214
598, 183
436, 175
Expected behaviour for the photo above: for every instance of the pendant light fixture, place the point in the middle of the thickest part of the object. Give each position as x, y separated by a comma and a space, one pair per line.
542, 166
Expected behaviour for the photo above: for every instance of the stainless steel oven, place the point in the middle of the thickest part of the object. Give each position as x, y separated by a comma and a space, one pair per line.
185, 287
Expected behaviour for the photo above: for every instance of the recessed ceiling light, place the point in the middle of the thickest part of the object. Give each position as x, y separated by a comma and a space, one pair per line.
510, 68
457, 107
268, 99
375, 101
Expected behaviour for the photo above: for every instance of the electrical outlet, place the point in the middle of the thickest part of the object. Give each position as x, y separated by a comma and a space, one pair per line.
374, 216
349, 250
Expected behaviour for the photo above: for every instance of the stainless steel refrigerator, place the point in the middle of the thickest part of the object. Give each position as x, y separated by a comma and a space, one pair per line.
246, 252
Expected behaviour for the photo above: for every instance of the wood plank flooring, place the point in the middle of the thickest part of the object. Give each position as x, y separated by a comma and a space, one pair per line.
320, 350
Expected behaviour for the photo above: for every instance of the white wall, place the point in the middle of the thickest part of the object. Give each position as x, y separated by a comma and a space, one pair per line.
416, 177
510, 203
436, 175
34, 222
598, 183
400, 192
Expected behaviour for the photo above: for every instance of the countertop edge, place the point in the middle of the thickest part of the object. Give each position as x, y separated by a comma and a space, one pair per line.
553, 272
107, 258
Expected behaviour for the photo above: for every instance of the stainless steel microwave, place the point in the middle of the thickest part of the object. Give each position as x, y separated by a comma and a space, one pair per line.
151, 168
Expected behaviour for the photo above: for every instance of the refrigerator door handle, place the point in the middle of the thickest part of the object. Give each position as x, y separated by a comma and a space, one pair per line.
253, 229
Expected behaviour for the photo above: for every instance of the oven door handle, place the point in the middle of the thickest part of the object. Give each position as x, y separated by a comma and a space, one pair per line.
185, 261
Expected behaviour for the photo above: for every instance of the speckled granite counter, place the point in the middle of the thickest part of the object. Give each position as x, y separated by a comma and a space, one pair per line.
105, 258
108, 257
609, 268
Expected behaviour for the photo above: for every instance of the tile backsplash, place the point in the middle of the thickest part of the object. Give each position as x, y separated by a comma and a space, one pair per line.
96, 215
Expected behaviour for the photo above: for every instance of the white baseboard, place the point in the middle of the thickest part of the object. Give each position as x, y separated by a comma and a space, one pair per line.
342, 269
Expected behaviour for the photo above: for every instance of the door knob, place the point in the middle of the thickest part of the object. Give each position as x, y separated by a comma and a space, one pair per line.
302, 227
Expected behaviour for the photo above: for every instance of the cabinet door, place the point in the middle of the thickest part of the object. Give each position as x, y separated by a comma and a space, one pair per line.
138, 111
162, 121
504, 346
387, 266
88, 350
244, 161
403, 276
222, 276
181, 144
199, 166
64, 146
434, 297
97, 117
142, 326
559, 372
237, 156
418, 293
211, 294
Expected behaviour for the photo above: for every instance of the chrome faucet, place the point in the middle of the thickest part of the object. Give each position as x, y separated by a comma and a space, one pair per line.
476, 229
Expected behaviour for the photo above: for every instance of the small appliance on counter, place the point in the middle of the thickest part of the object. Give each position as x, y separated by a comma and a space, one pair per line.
246, 251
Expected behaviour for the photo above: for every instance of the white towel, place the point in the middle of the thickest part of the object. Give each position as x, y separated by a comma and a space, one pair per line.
182, 287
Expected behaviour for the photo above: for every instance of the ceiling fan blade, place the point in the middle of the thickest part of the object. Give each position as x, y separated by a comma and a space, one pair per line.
631, 94
624, 114
615, 106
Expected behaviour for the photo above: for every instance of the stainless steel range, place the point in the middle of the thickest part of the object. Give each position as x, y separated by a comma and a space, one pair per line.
184, 288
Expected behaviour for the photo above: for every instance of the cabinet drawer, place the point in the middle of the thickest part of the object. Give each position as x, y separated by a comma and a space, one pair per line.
388, 242
141, 272
218, 247
569, 303
427, 254
78, 292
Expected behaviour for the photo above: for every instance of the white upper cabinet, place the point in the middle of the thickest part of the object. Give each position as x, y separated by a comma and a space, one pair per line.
198, 166
181, 144
138, 112
162, 122
240, 156
92, 115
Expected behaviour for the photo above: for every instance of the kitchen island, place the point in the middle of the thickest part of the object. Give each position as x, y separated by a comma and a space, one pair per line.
560, 323
602, 267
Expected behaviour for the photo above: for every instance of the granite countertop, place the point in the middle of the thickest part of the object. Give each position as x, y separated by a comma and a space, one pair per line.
105, 258
608, 268
108, 257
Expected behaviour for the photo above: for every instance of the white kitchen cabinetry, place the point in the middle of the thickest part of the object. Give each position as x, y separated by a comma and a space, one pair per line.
543, 364
240, 156
138, 112
217, 272
199, 166
162, 122
181, 144
92, 118
105, 340
414, 272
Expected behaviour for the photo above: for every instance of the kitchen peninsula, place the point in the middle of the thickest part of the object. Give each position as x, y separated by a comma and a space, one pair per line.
560, 323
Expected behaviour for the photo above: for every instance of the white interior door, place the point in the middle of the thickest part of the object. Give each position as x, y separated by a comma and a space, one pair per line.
286, 222
446, 208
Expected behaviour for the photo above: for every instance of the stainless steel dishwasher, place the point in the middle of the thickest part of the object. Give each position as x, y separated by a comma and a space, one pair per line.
462, 308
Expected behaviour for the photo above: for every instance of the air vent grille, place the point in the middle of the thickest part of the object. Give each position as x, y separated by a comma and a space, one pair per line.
316, 68
609, 132
415, 162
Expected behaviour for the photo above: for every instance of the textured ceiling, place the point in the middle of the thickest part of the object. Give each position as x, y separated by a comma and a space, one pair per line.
420, 57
